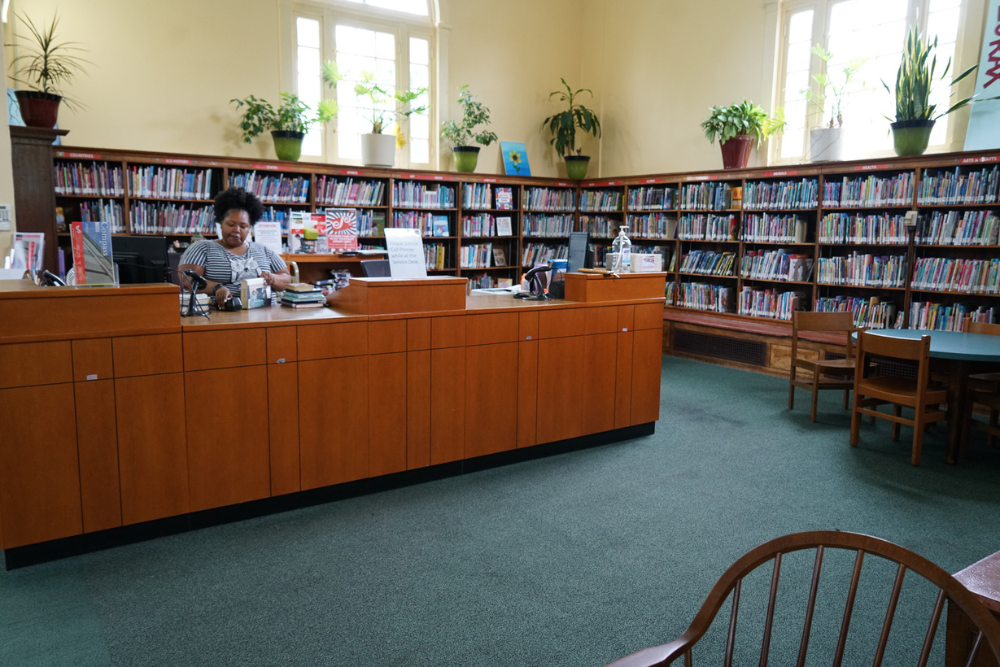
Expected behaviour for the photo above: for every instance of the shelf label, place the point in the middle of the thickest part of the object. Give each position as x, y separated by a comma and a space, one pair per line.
872, 167
705, 177
270, 167
350, 172
85, 156
972, 160
490, 180
170, 160
563, 184
652, 180
767, 174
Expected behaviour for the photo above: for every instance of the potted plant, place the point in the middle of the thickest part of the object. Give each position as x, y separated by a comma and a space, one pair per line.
45, 66
737, 126
563, 128
463, 135
377, 149
915, 116
826, 142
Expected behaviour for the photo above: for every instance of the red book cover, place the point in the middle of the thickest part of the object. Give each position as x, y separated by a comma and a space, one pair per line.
76, 241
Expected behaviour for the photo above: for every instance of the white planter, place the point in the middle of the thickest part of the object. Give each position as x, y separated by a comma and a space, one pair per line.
826, 144
378, 150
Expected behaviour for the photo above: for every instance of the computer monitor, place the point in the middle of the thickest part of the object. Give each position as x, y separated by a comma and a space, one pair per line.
375, 268
577, 251
140, 259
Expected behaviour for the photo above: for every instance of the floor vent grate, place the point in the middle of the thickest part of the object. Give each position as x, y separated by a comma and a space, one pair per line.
751, 352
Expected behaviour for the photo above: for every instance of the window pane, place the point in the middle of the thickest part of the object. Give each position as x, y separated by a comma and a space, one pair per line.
800, 27
313, 142
419, 52
418, 7
420, 126
798, 61
385, 45
307, 32
420, 151
308, 61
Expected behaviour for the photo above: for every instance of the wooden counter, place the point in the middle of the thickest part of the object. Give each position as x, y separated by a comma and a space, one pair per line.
115, 411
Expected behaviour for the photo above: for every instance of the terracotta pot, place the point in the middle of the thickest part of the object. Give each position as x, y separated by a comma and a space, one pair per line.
736, 151
38, 109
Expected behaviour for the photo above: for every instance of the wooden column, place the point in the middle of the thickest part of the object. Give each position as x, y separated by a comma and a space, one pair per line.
34, 190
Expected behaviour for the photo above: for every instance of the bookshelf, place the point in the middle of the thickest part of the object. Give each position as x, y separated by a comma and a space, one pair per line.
489, 237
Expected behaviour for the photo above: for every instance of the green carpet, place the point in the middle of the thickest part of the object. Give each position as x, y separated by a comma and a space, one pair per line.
569, 560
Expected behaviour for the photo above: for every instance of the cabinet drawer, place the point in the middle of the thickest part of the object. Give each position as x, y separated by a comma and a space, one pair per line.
649, 316
602, 320
418, 334
30, 364
489, 329
331, 341
561, 323
447, 332
387, 336
281, 345
626, 318
92, 360
527, 326
147, 355
208, 350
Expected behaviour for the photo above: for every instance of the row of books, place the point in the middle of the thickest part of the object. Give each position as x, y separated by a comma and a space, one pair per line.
160, 218
776, 265
946, 317
485, 224
539, 253
171, 183
371, 223
534, 224
480, 196
419, 195
974, 187
770, 303
425, 222
669, 292
770, 228
101, 210
862, 270
599, 226
769, 195
272, 214
600, 200
702, 296
435, 256
846, 228
549, 199
475, 256
274, 187
968, 276
870, 190
709, 263
710, 197
652, 226
487, 280
90, 178
652, 197
868, 313
702, 227
331, 191
302, 295
973, 228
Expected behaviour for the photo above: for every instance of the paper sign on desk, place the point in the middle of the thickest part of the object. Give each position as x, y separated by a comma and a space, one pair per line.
406, 253
268, 234
342, 228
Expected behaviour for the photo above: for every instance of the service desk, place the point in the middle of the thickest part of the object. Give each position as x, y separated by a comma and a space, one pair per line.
115, 411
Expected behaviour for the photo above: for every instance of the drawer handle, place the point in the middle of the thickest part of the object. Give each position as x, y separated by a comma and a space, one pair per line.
92, 377
280, 361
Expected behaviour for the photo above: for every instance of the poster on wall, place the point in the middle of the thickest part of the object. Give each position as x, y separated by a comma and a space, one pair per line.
984, 120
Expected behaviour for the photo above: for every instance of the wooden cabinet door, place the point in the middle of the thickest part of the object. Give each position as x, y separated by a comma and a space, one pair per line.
560, 380
97, 441
418, 407
527, 391
490, 395
647, 360
39, 470
227, 436
333, 421
386, 413
283, 426
600, 356
623, 381
152, 446
447, 404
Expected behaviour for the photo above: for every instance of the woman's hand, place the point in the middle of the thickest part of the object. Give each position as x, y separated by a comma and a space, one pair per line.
221, 296
277, 281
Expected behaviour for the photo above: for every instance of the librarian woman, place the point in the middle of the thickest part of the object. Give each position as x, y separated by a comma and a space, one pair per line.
227, 261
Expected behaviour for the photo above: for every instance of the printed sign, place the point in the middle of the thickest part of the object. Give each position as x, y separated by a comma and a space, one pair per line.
406, 253
342, 229
984, 120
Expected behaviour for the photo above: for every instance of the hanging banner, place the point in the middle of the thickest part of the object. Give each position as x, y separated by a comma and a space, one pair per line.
984, 121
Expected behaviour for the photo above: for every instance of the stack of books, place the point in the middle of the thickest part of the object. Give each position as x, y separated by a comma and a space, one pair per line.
303, 295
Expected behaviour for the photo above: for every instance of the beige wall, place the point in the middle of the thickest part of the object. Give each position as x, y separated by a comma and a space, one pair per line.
6, 169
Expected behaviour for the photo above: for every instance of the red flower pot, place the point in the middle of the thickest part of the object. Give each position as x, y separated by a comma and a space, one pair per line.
38, 109
736, 151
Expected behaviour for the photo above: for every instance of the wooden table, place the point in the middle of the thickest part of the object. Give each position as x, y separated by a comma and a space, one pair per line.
959, 354
983, 579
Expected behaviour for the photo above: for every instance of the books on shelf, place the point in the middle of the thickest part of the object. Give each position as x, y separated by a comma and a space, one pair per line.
332, 191
946, 317
870, 313
440, 226
884, 228
371, 223
599, 226
656, 198
533, 254
776, 265
273, 187
862, 270
505, 198
435, 256
499, 257
504, 226
413, 220
541, 224
968, 276
770, 303
770, 195
954, 187
88, 178
770, 228
866, 191
171, 218
961, 228
170, 182
600, 200
669, 292
702, 227
475, 256
708, 262
704, 296
708, 197
652, 226
415, 194
549, 199
482, 224
477, 195
110, 210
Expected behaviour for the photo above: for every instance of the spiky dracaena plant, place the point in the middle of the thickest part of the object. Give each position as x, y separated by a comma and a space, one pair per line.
915, 77
47, 64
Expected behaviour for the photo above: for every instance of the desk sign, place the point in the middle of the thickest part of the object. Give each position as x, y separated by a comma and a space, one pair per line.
268, 234
406, 253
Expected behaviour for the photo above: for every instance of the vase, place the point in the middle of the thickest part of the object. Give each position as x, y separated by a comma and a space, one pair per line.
38, 109
287, 144
910, 137
736, 151
826, 144
576, 166
466, 158
378, 150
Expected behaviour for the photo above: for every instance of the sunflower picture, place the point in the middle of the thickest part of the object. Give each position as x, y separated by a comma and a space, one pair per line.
515, 158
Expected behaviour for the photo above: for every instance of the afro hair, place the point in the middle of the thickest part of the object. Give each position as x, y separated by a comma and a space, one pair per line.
240, 200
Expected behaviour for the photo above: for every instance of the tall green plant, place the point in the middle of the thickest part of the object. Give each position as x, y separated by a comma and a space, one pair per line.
474, 114
564, 124
915, 77
837, 89
47, 64
292, 115
745, 118
379, 101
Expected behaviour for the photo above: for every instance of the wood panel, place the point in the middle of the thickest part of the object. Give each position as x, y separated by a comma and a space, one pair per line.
282, 346
92, 360
386, 336
333, 421
207, 350
527, 326
527, 392
34, 200
600, 356
152, 446
594, 288
448, 332
601, 320
97, 443
560, 376
31, 364
147, 355
559, 323
647, 360
490, 391
649, 316
227, 436
447, 404
418, 334
623, 380
626, 318
283, 427
493, 328
418, 408
39, 470
332, 341
387, 410
781, 356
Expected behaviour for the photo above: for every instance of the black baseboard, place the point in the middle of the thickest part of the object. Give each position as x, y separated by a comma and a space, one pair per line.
33, 554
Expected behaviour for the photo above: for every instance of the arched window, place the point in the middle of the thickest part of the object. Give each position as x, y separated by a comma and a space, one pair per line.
391, 39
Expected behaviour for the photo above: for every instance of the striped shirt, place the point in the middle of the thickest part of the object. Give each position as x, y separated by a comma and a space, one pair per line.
224, 267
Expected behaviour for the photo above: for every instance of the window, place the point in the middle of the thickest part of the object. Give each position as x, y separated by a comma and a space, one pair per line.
392, 40
868, 34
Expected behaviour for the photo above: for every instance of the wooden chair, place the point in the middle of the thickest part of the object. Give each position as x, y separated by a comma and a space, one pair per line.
986, 643
822, 373
984, 388
870, 392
